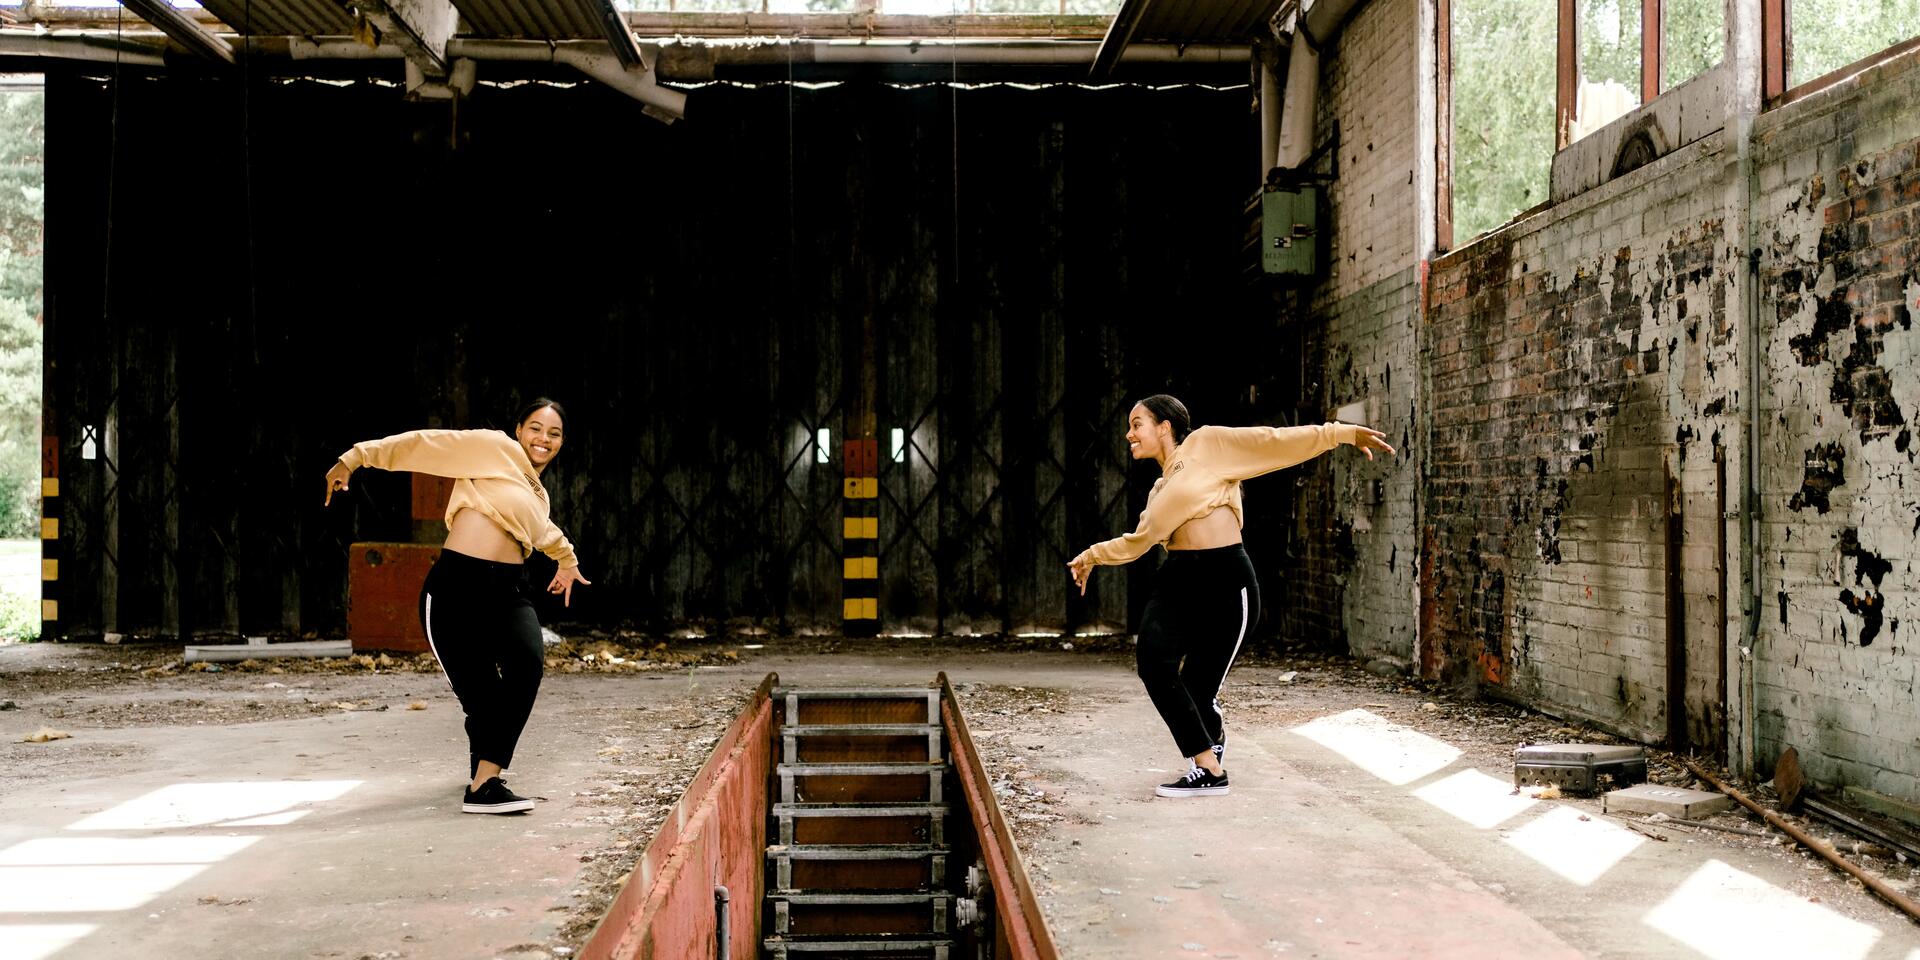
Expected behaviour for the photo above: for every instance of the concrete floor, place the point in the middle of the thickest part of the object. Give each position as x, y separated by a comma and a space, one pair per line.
1360, 824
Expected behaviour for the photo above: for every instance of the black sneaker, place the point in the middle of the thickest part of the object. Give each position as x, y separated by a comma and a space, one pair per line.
494, 797
1197, 783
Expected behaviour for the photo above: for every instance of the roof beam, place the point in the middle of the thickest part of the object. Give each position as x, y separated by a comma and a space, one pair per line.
419, 27
182, 29
1118, 36
613, 25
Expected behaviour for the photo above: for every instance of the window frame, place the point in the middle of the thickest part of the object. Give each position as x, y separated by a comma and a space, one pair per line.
1776, 46
1776, 56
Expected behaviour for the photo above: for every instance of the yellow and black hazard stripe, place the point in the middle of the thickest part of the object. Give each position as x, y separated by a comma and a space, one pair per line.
49, 535
860, 506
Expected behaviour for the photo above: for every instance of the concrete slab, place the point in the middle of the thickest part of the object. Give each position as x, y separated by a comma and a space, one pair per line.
1359, 824
1679, 803
236, 652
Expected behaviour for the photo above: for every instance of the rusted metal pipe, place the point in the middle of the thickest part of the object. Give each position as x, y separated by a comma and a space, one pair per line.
722, 924
1873, 883
1721, 748
1676, 619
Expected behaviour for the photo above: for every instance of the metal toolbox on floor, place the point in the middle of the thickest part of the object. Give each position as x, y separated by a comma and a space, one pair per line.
1579, 767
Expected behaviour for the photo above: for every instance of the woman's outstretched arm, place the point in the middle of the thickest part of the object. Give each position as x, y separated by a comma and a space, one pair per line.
1242, 453
469, 454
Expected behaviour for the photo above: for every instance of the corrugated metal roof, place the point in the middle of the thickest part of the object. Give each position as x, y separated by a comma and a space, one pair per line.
543, 19
283, 18
1203, 21
1181, 21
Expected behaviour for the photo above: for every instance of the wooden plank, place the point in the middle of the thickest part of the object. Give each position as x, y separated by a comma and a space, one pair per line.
1443, 126
1567, 74
831, 919
829, 710
861, 830
865, 749
1653, 45
860, 875
859, 789
1774, 49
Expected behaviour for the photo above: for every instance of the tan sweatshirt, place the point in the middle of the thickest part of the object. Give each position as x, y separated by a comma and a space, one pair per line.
492, 476
1205, 473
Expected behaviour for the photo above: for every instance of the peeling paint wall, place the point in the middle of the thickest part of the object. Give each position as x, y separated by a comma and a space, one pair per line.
1359, 330
1580, 381
1838, 190
1577, 361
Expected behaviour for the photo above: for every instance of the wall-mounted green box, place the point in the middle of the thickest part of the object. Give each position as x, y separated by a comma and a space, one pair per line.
1290, 239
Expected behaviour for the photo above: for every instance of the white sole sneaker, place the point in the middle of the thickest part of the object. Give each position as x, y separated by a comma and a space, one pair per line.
511, 806
1180, 792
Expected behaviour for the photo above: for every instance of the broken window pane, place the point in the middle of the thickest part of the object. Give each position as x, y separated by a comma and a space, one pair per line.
1609, 63
1696, 38
1825, 35
698, 6
1081, 7
1503, 88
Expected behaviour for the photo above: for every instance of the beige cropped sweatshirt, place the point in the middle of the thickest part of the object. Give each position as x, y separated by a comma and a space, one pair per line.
491, 475
1205, 473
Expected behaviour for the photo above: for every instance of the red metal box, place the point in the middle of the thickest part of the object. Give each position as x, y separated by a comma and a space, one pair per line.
383, 595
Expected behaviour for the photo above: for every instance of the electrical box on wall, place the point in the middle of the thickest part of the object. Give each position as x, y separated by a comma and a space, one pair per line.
1290, 238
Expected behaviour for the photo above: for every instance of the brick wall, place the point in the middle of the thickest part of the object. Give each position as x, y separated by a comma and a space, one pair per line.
1578, 359
1367, 87
1573, 391
1837, 178
1356, 582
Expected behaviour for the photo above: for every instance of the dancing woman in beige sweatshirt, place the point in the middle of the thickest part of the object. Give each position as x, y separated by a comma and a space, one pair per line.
1205, 596
474, 605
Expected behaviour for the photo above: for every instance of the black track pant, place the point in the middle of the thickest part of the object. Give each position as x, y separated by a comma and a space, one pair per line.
1203, 604
482, 628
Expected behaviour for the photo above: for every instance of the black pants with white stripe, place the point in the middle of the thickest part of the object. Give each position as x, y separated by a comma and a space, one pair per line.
482, 628
1203, 604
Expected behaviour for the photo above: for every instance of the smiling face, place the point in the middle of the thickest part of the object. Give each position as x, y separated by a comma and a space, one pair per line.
540, 435
1148, 438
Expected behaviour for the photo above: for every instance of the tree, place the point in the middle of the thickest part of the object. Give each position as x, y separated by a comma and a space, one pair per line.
1503, 98
1829, 34
22, 212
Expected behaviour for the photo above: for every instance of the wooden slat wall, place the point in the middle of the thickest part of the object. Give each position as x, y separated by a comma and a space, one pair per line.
693, 293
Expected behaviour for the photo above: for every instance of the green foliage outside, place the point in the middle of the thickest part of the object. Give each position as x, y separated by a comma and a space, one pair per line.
22, 206
1610, 42
1696, 39
1503, 87
1503, 78
1829, 34
19, 617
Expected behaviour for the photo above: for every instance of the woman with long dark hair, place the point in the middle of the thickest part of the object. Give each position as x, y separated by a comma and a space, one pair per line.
1205, 596
479, 620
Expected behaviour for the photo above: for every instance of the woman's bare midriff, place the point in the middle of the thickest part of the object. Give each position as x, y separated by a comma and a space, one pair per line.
473, 534
1217, 529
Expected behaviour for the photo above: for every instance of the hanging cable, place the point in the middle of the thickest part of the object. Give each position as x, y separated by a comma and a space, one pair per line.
246, 172
953, 92
113, 160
